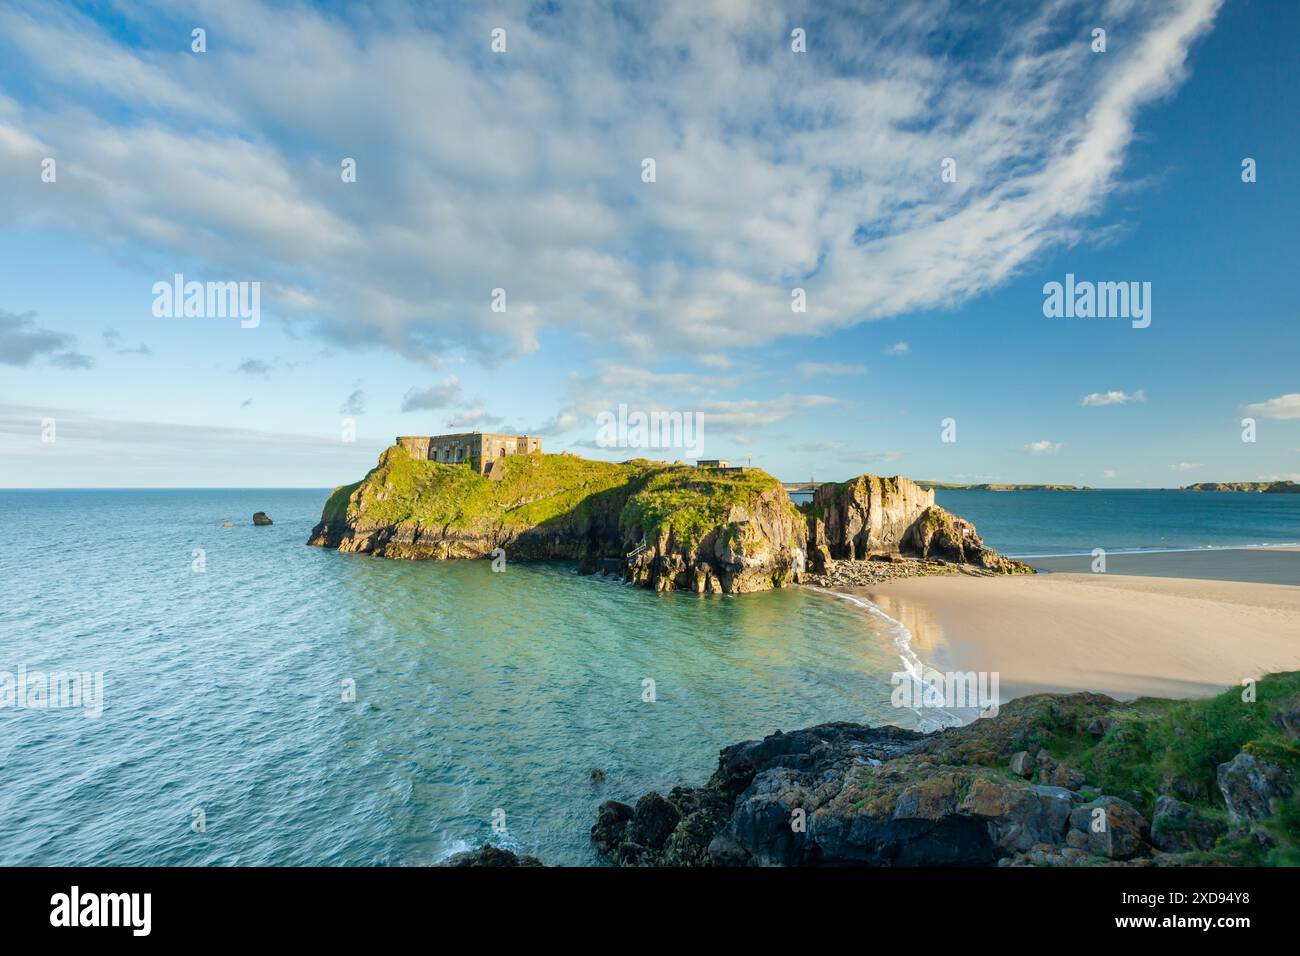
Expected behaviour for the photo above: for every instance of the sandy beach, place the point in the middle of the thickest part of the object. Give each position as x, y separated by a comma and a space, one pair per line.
1125, 635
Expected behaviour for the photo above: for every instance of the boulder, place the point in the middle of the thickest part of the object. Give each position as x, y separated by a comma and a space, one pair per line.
1022, 764
1119, 832
1019, 817
1249, 784
260, 518
489, 855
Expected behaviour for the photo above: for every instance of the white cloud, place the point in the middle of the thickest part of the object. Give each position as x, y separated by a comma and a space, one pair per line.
1097, 399
525, 176
1284, 406
1044, 447
898, 348
1185, 466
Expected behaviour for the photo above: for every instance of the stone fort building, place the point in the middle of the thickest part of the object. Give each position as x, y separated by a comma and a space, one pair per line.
481, 449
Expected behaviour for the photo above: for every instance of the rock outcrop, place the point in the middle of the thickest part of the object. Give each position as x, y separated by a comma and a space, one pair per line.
987, 793
755, 546
492, 856
1249, 785
261, 519
872, 516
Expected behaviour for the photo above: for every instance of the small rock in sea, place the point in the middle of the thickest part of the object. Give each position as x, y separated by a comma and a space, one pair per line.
489, 855
596, 774
260, 518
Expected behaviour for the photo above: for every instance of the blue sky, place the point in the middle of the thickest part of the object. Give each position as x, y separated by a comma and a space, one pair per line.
522, 170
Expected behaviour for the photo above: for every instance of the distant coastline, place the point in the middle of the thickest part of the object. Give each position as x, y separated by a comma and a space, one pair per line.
954, 486
1261, 487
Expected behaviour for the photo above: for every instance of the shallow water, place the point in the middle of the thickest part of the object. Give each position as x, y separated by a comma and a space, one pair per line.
476, 691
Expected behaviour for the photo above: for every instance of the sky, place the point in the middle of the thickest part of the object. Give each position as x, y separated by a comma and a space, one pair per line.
917, 174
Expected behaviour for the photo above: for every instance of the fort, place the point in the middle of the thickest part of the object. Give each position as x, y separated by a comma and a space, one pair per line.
481, 449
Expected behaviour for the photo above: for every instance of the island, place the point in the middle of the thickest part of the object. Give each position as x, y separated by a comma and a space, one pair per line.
711, 528
1262, 487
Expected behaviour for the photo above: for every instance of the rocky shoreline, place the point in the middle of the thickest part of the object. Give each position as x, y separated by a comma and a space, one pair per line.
845, 574
1053, 780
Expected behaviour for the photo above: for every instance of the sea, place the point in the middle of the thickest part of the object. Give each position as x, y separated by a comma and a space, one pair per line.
250, 700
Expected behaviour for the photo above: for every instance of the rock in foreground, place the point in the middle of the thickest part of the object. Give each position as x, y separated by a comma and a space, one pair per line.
1064, 780
489, 855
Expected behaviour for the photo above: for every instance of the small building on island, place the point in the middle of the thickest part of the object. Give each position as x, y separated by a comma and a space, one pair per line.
481, 449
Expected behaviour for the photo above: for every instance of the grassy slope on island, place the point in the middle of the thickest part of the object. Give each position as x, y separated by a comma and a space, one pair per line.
538, 488
692, 501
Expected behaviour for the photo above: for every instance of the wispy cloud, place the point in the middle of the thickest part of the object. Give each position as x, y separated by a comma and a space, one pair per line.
113, 342
898, 348
1044, 447
23, 341
354, 404
819, 369
255, 367
442, 395
823, 175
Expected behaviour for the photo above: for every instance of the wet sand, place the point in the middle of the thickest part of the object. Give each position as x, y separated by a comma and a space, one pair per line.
1120, 633
1257, 565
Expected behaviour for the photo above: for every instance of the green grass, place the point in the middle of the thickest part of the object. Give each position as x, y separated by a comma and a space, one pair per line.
1156, 743
690, 502
536, 489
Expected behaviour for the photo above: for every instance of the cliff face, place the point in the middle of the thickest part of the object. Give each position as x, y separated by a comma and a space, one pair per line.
752, 546
686, 528
871, 515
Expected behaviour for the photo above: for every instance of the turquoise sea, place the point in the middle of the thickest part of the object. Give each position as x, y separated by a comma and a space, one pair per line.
481, 697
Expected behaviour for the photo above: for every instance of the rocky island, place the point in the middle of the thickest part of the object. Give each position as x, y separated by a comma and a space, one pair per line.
658, 525
1052, 780
1265, 487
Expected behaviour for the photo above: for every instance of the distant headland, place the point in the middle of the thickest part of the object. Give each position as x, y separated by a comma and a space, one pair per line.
1263, 487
